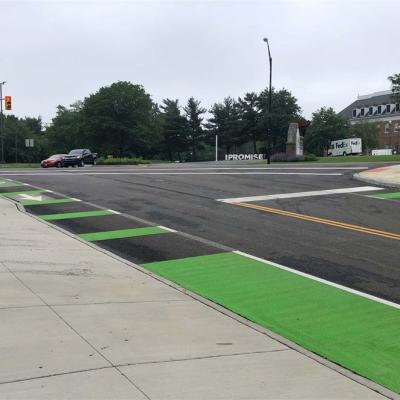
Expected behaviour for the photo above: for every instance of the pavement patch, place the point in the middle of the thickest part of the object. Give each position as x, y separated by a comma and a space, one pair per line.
122, 233
146, 249
395, 195
348, 329
53, 208
82, 214
100, 223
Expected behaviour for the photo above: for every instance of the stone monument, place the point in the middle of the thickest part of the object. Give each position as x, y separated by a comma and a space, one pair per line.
294, 143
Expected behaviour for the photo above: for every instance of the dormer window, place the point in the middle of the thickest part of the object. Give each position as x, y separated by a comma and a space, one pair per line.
370, 110
398, 107
379, 109
388, 108
362, 112
354, 113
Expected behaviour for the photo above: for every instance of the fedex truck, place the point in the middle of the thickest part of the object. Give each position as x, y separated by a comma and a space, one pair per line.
345, 147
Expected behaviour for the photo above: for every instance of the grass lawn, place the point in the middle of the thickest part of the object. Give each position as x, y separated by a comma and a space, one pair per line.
341, 159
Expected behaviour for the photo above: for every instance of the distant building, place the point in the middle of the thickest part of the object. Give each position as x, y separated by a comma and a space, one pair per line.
378, 107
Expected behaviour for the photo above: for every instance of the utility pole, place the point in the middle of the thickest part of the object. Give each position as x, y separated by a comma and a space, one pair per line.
1, 122
269, 130
216, 147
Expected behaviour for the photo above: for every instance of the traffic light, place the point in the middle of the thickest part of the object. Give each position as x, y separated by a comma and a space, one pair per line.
8, 102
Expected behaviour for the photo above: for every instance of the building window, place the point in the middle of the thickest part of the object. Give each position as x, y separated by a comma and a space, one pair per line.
398, 107
387, 129
370, 111
379, 109
388, 108
362, 112
354, 113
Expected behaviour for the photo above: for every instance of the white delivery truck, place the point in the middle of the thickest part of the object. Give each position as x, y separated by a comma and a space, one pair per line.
345, 147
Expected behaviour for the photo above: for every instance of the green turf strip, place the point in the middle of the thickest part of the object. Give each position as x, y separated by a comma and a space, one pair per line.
84, 214
395, 195
28, 192
122, 233
360, 334
46, 201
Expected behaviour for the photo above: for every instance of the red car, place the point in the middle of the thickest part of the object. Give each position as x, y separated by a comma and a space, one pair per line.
57, 160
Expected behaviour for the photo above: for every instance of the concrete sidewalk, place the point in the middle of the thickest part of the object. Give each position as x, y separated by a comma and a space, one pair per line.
77, 323
387, 176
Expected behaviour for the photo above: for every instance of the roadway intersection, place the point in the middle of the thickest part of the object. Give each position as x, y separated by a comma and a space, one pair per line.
184, 197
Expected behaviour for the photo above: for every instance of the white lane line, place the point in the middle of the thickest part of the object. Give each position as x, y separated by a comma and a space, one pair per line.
166, 229
176, 173
300, 194
75, 199
115, 212
227, 168
314, 278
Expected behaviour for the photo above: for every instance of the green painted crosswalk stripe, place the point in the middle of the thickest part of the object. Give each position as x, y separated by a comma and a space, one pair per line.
84, 214
29, 192
395, 195
122, 233
47, 201
356, 332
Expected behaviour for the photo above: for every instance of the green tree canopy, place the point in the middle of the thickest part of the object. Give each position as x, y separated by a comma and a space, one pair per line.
118, 119
174, 129
368, 132
225, 122
395, 81
250, 116
194, 118
326, 126
284, 109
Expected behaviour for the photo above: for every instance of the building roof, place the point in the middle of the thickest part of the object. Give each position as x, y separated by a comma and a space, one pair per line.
373, 99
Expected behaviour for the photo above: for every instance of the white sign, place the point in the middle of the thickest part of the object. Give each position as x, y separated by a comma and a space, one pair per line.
237, 157
29, 143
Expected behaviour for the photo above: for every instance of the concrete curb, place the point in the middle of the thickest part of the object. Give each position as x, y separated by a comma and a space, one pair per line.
388, 177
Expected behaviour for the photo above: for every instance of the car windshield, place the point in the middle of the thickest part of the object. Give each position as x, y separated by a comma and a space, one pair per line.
55, 156
78, 151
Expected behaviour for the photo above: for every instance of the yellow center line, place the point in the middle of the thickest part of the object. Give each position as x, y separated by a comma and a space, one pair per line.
324, 221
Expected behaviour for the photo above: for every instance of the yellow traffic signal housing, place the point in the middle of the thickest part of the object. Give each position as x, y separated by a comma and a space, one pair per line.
8, 102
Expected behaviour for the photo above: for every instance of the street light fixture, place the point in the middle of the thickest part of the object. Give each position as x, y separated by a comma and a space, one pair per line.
269, 105
1, 121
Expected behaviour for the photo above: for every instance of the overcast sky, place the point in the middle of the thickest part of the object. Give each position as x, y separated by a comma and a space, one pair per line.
324, 52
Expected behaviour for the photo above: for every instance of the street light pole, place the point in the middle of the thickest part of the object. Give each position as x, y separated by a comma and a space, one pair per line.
1, 121
269, 105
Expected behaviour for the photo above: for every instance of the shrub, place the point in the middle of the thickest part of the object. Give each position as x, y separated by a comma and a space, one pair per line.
121, 161
310, 157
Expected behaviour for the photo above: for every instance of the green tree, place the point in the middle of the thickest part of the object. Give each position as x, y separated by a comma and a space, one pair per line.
174, 129
368, 132
250, 116
395, 81
284, 109
66, 130
225, 122
118, 119
326, 126
16, 130
194, 119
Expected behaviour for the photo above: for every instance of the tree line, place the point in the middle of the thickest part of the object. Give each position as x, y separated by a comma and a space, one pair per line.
122, 120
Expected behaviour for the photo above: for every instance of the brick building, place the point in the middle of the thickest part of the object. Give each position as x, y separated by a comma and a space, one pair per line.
378, 107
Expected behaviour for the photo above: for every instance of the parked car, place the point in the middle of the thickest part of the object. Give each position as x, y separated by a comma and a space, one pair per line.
80, 157
56, 160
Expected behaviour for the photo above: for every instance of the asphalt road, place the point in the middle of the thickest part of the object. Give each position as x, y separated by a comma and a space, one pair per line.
184, 197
